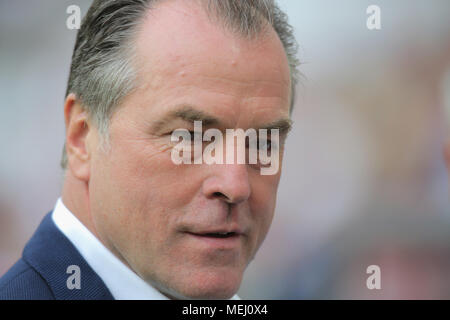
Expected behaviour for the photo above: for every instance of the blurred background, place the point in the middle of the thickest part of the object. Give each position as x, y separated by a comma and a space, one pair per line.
364, 180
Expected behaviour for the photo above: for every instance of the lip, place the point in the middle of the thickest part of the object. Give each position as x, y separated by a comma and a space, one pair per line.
229, 242
216, 230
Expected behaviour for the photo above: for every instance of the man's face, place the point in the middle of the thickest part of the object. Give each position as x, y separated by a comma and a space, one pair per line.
156, 216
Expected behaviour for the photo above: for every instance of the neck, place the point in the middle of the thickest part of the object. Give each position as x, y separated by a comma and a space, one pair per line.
75, 196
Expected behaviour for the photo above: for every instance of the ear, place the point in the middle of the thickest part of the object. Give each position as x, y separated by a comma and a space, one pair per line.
78, 136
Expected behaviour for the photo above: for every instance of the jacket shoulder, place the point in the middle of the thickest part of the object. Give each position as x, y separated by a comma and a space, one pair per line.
22, 282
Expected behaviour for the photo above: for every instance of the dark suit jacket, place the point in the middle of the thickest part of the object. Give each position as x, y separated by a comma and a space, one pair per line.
41, 273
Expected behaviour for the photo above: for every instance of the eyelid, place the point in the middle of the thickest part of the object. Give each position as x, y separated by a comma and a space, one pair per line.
272, 144
192, 133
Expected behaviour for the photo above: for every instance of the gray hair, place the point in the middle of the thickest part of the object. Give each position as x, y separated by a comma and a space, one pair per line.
102, 72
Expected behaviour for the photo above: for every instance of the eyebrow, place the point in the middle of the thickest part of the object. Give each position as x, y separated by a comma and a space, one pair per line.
284, 125
190, 114
186, 113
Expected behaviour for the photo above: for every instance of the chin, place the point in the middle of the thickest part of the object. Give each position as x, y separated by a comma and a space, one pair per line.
208, 286
211, 293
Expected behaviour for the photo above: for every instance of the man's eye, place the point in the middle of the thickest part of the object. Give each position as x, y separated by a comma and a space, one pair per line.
260, 144
186, 134
265, 144
196, 135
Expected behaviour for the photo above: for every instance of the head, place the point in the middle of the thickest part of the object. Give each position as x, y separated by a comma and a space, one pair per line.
143, 69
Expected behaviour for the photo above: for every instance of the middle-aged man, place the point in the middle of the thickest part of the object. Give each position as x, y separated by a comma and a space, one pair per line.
132, 224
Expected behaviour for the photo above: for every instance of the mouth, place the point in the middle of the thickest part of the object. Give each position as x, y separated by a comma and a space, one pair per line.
218, 235
220, 239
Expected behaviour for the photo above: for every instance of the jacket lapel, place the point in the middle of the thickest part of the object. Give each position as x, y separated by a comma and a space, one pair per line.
50, 253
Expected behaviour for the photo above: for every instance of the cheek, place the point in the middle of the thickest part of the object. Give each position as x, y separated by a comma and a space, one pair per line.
262, 202
140, 171
131, 201
138, 176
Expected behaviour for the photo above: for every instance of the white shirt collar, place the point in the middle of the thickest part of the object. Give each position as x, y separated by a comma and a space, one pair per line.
122, 282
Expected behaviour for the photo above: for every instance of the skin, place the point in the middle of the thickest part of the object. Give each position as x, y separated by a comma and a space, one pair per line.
142, 206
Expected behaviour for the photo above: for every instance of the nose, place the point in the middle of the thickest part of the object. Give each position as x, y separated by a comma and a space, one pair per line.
228, 182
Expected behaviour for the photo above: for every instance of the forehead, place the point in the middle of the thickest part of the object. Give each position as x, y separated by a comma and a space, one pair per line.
178, 45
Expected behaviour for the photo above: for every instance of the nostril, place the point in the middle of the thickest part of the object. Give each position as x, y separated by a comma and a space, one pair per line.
219, 195
223, 197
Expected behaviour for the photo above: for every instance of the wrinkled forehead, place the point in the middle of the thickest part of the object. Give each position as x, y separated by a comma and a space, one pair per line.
178, 45
178, 36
